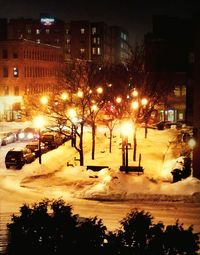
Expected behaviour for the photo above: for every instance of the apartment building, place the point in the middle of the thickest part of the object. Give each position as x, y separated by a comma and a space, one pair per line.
26, 68
168, 48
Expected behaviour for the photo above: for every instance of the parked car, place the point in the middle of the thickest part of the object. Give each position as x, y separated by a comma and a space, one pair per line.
34, 147
28, 134
164, 125
7, 137
52, 139
18, 157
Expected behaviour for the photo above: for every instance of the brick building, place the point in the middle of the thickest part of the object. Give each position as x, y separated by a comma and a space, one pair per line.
26, 68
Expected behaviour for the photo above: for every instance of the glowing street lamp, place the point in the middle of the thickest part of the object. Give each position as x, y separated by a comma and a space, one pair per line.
44, 100
99, 90
192, 144
118, 100
64, 96
39, 123
126, 130
80, 93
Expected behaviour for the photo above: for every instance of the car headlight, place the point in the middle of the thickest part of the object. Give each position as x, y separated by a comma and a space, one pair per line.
21, 135
30, 136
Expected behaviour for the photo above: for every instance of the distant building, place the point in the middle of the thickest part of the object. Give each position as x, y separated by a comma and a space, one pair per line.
82, 39
195, 96
45, 30
168, 49
26, 68
96, 41
33, 52
3, 29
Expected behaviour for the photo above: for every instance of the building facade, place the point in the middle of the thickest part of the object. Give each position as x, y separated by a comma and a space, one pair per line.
26, 68
168, 48
82, 39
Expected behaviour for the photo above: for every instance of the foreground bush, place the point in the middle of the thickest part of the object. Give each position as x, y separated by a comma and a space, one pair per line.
50, 227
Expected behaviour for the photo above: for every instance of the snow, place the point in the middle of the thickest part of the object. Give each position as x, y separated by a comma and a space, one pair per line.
54, 179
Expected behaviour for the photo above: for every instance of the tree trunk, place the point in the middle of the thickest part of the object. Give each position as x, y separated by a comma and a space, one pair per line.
134, 145
146, 130
81, 147
110, 144
93, 139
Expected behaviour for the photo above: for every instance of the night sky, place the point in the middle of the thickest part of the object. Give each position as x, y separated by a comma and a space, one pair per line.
135, 15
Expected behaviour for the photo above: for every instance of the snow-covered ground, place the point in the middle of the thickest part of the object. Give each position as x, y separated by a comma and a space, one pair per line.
108, 193
54, 179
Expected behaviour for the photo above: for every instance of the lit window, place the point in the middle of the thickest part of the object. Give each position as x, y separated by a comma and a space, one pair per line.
15, 72
68, 41
82, 50
37, 31
38, 40
82, 30
98, 40
98, 51
93, 51
123, 36
94, 40
29, 31
94, 30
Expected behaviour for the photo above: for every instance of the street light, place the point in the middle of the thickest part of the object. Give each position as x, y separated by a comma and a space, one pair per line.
44, 100
39, 123
191, 143
126, 129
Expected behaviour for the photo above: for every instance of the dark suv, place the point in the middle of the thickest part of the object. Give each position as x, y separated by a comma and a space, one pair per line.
18, 157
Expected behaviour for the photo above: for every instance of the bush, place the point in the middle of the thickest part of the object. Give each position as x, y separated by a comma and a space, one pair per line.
50, 227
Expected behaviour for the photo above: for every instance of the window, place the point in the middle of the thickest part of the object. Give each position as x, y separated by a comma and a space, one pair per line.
29, 31
93, 50
47, 31
15, 72
16, 91
123, 36
191, 58
94, 30
5, 71
4, 53
94, 40
82, 30
6, 91
98, 40
82, 50
98, 51
15, 55
37, 31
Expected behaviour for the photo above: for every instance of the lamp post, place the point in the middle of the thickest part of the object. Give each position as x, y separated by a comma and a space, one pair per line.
191, 144
144, 103
126, 129
135, 106
39, 123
